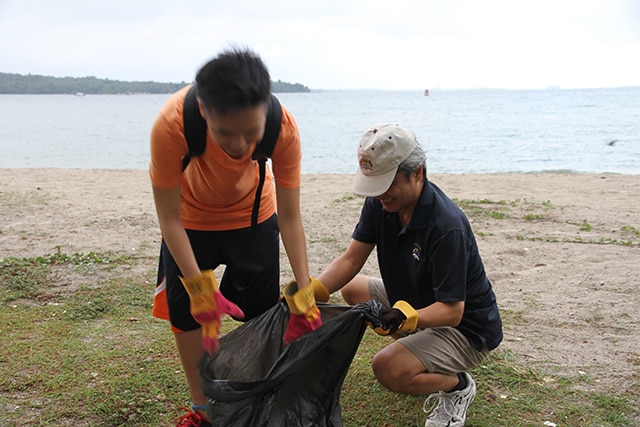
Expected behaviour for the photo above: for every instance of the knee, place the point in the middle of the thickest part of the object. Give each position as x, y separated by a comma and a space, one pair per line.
348, 295
356, 291
383, 369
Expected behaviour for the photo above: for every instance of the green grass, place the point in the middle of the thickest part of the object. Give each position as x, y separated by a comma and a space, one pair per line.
479, 211
92, 355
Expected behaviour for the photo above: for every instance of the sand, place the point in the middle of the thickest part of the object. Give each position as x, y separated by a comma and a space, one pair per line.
562, 250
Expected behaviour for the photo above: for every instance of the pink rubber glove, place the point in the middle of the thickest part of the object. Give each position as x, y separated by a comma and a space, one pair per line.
207, 306
304, 315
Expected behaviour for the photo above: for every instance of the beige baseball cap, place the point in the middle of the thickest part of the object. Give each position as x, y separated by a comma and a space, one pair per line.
381, 150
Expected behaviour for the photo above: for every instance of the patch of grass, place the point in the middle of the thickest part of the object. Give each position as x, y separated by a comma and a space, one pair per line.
462, 202
511, 319
496, 214
628, 229
97, 357
348, 197
583, 226
529, 211
508, 394
595, 317
577, 239
477, 208
524, 397
533, 217
533, 238
88, 258
17, 199
483, 233
325, 239
28, 278
22, 281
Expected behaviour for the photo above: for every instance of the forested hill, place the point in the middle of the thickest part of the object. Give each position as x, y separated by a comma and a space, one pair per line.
36, 84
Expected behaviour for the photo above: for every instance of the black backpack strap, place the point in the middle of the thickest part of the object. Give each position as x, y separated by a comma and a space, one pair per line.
271, 130
195, 127
264, 149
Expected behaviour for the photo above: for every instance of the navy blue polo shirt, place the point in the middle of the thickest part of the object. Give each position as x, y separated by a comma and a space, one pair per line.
434, 258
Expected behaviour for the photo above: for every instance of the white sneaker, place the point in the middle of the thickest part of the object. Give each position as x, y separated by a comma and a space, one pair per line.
449, 409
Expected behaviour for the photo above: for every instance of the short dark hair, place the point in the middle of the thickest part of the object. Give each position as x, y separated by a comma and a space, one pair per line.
234, 80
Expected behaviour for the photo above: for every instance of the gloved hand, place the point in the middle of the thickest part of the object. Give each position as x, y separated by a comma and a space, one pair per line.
207, 306
304, 315
320, 292
402, 318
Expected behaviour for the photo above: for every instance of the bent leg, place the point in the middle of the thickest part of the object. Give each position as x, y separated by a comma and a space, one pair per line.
186, 331
400, 371
357, 290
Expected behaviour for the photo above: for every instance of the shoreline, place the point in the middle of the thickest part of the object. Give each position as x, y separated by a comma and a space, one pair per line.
540, 172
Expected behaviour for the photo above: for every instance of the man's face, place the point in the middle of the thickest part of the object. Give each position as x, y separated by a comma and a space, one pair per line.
403, 193
237, 132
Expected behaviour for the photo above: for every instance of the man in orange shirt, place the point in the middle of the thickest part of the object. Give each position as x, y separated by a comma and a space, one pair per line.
205, 213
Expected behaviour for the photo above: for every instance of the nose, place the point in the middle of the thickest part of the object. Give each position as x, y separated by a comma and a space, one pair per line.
237, 146
239, 142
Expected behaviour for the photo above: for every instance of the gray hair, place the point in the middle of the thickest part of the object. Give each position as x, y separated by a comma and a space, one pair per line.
417, 158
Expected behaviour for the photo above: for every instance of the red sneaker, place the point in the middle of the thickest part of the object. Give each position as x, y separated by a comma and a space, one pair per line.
192, 419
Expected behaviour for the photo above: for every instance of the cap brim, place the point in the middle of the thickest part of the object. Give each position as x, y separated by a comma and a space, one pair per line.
372, 185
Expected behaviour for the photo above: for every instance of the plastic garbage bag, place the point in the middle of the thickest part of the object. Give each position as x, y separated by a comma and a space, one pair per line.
255, 380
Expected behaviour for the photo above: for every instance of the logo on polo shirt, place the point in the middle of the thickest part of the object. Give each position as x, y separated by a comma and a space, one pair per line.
416, 253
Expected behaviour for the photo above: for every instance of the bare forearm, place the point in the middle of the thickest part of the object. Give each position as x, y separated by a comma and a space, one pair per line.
168, 209
346, 266
292, 233
294, 241
441, 314
338, 274
178, 243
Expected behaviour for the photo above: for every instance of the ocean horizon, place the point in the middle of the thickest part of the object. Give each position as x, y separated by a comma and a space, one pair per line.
463, 131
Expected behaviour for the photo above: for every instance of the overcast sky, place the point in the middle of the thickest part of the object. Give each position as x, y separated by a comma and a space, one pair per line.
333, 44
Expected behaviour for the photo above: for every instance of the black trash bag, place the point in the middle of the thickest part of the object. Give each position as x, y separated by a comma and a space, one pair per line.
254, 380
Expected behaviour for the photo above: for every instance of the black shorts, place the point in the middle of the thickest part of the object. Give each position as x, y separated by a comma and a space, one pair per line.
251, 277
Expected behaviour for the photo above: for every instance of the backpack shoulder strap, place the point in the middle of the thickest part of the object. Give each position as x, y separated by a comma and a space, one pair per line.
271, 130
264, 149
195, 127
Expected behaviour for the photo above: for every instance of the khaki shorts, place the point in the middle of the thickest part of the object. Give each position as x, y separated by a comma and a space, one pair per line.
444, 350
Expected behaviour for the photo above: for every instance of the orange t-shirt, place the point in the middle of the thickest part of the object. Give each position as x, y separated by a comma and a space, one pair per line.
218, 191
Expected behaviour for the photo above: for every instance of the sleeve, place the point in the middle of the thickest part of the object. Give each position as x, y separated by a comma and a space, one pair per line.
286, 159
365, 229
448, 262
167, 144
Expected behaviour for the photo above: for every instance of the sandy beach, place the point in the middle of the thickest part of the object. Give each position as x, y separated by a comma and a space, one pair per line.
562, 251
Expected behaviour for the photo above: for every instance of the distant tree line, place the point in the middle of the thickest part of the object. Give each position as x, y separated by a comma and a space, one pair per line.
37, 84
280, 87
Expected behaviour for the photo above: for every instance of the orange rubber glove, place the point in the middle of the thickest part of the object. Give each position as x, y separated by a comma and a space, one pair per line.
304, 315
207, 306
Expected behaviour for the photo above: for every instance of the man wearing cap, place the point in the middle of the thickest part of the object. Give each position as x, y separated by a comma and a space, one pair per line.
439, 303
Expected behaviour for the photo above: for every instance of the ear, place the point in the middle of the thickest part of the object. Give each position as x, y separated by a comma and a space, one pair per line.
202, 110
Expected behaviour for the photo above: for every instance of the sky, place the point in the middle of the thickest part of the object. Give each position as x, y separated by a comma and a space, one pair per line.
333, 44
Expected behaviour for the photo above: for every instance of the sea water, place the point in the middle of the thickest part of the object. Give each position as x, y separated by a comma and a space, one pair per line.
465, 131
